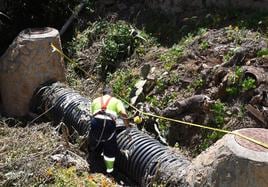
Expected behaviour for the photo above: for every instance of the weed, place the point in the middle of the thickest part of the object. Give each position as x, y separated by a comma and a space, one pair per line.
84, 39
174, 78
204, 45
167, 99
122, 82
120, 42
232, 91
209, 139
227, 56
71, 177
161, 85
263, 52
171, 57
237, 83
218, 109
197, 83
248, 84
153, 100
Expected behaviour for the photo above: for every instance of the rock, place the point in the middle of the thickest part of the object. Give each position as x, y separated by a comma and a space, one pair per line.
71, 159
145, 70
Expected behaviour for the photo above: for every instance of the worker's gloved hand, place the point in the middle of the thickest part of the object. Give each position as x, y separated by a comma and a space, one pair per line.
137, 120
127, 130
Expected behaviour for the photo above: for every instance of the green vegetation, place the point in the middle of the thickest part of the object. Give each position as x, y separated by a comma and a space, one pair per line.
160, 85
120, 42
122, 82
227, 56
248, 84
196, 84
204, 45
263, 52
209, 137
83, 40
71, 177
171, 57
237, 82
218, 110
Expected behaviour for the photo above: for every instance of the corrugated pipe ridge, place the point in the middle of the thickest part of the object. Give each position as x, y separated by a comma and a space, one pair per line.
147, 161
141, 157
66, 105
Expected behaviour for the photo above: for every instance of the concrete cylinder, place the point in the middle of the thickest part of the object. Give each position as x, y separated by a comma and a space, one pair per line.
232, 162
28, 63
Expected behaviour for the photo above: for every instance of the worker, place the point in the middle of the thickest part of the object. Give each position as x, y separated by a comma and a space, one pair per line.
105, 110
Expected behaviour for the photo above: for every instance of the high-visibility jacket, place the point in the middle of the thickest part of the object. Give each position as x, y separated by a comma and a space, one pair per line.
113, 107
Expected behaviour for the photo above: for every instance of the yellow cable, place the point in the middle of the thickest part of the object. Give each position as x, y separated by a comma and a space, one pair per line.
265, 145
70, 60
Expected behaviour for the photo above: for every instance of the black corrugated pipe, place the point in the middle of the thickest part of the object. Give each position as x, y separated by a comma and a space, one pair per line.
141, 157
66, 105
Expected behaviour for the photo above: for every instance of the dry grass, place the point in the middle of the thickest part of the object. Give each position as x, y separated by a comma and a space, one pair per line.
25, 159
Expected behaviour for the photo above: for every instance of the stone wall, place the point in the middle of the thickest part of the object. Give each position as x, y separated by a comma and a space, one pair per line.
177, 6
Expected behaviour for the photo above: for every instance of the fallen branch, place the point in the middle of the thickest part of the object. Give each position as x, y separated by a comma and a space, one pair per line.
256, 114
189, 105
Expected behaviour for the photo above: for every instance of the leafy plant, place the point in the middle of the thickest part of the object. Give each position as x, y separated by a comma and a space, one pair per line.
232, 90
84, 39
204, 45
122, 82
160, 85
237, 83
210, 139
197, 83
120, 42
153, 100
228, 55
171, 57
248, 84
262, 52
218, 109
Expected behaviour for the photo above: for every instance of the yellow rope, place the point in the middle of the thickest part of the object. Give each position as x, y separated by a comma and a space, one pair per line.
265, 145
54, 48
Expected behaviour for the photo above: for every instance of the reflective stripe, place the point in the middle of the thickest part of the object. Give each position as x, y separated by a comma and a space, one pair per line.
101, 116
111, 159
109, 170
109, 112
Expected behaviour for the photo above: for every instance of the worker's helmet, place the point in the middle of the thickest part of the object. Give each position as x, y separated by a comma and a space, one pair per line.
107, 90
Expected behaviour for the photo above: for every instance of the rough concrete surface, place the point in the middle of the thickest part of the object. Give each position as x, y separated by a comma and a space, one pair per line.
229, 164
28, 63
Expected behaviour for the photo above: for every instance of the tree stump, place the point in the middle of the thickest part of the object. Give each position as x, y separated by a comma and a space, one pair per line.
28, 63
232, 161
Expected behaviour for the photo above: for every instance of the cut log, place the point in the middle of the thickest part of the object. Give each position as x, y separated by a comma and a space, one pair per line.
191, 104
